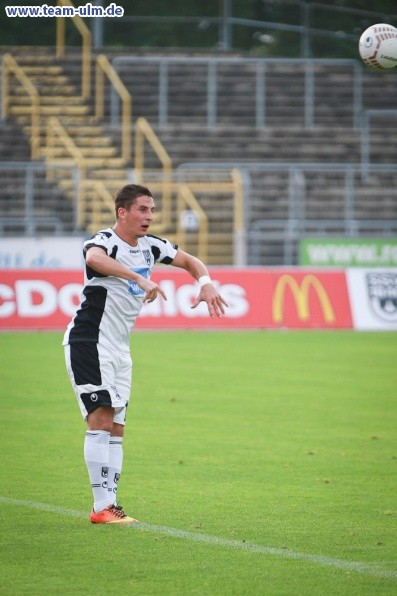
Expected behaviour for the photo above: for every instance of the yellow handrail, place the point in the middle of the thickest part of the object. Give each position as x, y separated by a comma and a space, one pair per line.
103, 198
103, 67
10, 66
143, 131
86, 44
239, 240
187, 198
55, 131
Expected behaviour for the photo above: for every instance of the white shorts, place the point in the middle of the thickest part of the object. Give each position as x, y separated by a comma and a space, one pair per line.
100, 376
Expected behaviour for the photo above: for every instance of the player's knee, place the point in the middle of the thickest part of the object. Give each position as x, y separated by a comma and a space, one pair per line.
101, 419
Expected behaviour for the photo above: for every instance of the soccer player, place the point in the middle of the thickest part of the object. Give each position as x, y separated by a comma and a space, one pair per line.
118, 265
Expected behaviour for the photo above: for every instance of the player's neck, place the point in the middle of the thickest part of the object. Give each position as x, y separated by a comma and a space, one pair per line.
128, 238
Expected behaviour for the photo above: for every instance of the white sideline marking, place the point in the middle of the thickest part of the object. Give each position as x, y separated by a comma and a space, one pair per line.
280, 553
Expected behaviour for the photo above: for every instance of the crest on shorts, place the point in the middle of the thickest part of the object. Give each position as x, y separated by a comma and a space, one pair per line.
146, 254
382, 294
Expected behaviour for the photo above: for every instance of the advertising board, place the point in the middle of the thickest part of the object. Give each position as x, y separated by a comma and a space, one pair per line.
348, 252
257, 298
373, 296
55, 252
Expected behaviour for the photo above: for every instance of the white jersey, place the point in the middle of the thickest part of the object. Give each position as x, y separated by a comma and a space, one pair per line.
110, 305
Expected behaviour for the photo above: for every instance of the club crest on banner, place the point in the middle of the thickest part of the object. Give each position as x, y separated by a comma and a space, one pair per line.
382, 294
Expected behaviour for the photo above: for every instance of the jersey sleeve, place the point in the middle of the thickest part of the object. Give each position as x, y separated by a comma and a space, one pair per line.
101, 240
162, 249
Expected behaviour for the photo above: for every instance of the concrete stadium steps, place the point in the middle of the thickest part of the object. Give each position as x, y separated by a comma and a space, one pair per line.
284, 93
14, 144
244, 144
324, 201
50, 204
48, 201
275, 144
187, 137
269, 196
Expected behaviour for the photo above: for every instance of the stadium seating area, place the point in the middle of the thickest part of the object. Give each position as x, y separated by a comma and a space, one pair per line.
313, 143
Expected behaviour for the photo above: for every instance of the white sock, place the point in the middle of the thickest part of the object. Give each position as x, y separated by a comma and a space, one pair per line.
115, 466
96, 455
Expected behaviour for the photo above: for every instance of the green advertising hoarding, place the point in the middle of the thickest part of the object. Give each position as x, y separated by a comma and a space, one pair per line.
348, 252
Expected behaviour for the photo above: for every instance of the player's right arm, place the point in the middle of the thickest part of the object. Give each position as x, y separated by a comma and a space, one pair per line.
97, 259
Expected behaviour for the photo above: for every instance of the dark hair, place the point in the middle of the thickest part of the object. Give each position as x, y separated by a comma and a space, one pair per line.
127, 195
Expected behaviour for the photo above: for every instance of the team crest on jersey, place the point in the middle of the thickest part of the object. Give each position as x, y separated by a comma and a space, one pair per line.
382, 294
146, 254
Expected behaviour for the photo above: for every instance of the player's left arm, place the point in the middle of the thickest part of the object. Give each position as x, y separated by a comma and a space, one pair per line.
208, 293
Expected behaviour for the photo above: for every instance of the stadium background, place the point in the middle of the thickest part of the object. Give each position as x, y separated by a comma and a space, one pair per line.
269, 147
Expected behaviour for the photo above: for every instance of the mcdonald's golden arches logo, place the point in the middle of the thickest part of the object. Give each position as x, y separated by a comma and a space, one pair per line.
300, 293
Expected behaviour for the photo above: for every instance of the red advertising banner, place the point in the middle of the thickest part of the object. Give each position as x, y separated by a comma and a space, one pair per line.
257, 298
38, 299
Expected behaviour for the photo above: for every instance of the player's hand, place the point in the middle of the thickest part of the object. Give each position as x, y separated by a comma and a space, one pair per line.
215, 303
151, 289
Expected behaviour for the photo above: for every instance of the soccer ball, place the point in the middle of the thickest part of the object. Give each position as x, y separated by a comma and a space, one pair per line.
378, 46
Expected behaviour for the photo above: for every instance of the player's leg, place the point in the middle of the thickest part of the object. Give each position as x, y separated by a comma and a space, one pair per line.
97, 455
116, 440
116, 456
92, 369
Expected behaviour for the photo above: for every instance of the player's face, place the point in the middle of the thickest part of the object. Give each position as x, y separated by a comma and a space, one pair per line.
137, 219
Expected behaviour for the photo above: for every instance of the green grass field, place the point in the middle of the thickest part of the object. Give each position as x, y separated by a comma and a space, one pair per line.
258, 463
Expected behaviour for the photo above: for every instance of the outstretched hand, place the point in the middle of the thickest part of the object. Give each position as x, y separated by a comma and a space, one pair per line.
151, 289
214, 300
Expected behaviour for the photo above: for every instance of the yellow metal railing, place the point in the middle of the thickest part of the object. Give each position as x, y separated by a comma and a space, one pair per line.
187, 199
235, 187
57, 135
239, 240
103, 67
102, 210
86, 46
56, 132
143, 131
11, 67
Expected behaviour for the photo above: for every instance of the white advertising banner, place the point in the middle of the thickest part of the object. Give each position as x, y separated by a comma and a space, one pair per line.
61, 252
373, 298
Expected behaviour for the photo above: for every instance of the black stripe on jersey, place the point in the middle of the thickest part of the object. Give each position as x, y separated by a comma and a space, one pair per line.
166, 260
156, 253
101, 233
89, 315
91, 272
156, 237
84, 361
96, 399
161, 240
90, 245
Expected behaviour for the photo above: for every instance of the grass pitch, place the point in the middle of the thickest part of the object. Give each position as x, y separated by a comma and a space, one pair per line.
258, 462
